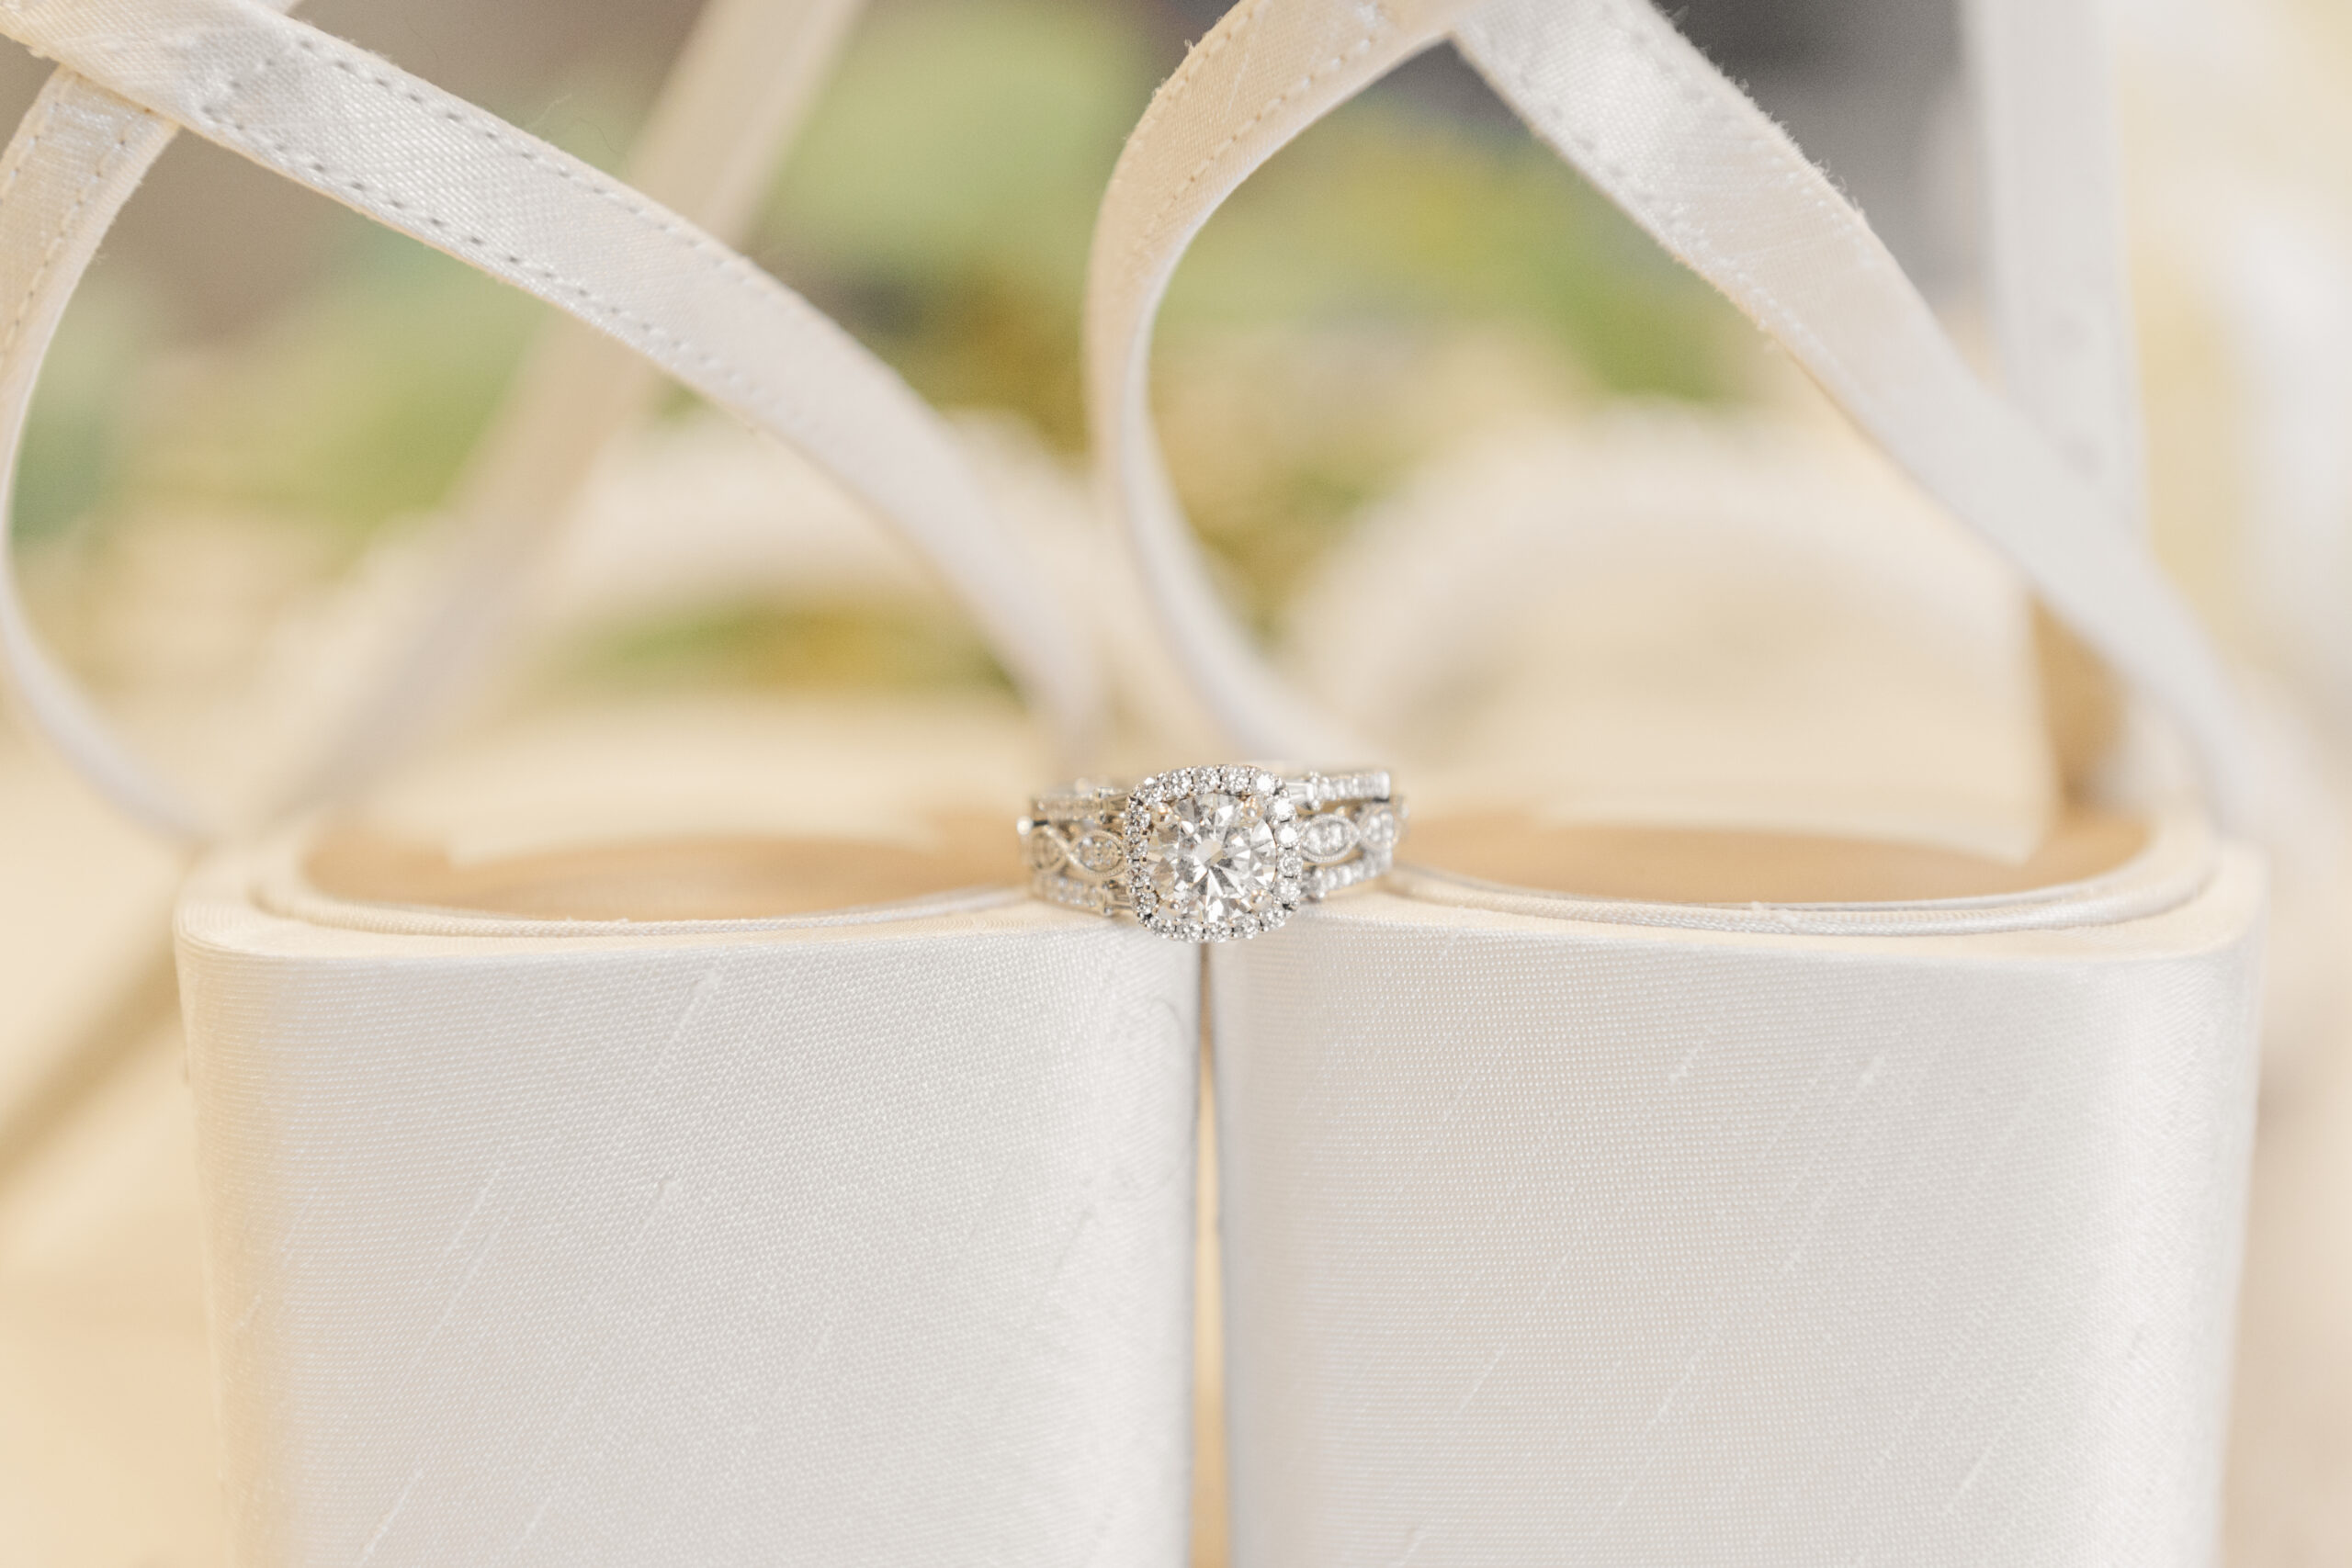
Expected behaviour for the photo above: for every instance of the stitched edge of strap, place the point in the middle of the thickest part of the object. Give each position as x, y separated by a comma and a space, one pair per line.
859, 420
1287, 79
54, 706
737, 93
1828, 289
2022, 498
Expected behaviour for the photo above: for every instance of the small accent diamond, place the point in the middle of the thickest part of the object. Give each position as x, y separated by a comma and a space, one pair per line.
1327, 838
1042, 850
1098, 852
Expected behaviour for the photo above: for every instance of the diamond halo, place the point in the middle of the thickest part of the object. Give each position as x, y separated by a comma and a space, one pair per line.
1213, 853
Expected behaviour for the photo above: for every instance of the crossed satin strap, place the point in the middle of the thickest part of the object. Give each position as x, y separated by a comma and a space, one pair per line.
1607, 82
1615, 90
352, 126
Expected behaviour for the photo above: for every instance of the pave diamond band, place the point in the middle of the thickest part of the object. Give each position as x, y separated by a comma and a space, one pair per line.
1211, 855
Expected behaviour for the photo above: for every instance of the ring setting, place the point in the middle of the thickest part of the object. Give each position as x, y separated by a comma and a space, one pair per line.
1211, 855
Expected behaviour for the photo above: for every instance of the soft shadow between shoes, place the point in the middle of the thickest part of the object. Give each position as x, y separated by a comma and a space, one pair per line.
715, 877
1680, 865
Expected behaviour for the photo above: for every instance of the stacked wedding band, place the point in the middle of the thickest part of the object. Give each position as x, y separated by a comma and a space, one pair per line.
1210, 854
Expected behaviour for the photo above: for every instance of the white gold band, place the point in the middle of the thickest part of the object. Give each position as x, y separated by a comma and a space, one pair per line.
1211, 855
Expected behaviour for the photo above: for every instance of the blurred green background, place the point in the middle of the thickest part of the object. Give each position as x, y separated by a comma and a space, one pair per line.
1414, 263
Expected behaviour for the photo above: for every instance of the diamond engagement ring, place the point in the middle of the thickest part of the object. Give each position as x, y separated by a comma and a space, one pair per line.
1210, 854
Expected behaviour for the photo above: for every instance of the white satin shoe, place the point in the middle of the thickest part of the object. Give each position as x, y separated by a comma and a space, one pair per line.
783, 1184
1779, 1177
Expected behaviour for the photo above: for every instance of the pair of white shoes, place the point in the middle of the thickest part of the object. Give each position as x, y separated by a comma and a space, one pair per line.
1555, 1226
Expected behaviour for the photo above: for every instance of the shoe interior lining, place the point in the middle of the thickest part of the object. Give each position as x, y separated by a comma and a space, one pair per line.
1680, 865
742, 878
718, 877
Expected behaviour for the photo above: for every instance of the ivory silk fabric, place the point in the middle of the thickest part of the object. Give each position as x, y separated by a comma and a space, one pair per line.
841, 1243
1554, 1241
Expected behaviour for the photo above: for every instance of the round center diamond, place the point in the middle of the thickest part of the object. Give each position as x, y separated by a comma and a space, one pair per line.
1211, 857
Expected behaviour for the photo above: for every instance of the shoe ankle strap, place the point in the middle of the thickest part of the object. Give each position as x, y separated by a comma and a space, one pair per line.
745, 78
356, 128
2055, 261
1621, 95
